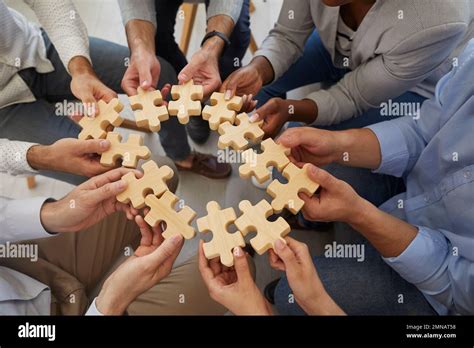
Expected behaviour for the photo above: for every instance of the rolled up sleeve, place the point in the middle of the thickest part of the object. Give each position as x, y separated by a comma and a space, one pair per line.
138, 9
231, 8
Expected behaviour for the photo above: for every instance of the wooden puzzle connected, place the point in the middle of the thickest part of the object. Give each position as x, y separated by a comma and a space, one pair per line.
254, 219
96, 127
286, 195
257, 164
130, 152
149, 109
163, 209
238, 136
217, 221
187, 101
221, 110
153, 181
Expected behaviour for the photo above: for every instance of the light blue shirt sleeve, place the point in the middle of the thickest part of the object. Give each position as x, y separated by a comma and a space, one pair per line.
435, 269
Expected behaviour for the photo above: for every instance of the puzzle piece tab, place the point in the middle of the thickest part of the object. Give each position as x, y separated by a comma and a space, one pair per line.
286, 195
149, 109
223, 242
153, 181
237, 137
130, 152
187, 101
256, 164
221, 110
163, 209
254, 219
96, 127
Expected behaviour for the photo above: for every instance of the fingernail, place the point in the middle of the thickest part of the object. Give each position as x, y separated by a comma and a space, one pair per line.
175, 239
254, 117
104, 144
145, 83
313, 168
228, 94
182, 77
237, 252
120, 185
279, 245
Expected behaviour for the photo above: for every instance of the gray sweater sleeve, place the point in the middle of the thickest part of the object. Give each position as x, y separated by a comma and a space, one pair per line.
138, 9
231, 8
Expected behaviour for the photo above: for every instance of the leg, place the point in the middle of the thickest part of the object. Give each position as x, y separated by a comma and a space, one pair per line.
346, 280
315, 65
72, 264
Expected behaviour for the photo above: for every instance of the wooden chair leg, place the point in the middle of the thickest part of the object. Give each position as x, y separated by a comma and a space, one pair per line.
253, 44
31, 182
189, 12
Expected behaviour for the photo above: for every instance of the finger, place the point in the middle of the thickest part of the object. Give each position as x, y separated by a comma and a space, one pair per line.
165, 91
129, 86
157, 235
229, 87
92, 146
216, 265
321, 176
145, 76
106, 192
166, 250
206, 272
111, 176
296, 136
275, 261
241, 266
300, 249
187, 73
285, 254
145, 231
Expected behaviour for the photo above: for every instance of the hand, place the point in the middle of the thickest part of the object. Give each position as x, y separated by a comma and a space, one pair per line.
245, 80
87, 204
311, 145
294, 259
336, 201
86, 86
234, 288
274, 115
203, 68
152, 261
80, 157
143, 71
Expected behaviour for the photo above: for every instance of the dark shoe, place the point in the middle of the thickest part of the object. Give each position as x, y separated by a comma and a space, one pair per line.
269, 290
198, 130
208, 166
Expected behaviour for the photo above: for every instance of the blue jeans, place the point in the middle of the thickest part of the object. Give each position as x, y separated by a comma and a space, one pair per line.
37, 121
370, 287
316, 66
167, 48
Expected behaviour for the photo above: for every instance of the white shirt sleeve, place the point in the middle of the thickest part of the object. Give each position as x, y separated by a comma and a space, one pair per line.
65, 28
13, 159
93, 309
20, 219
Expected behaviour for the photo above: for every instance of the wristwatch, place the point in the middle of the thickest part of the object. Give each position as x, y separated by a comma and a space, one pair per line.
219, 34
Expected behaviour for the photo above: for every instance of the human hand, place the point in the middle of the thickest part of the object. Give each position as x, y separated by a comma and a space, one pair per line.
80, 157
234, 287
311, 145
86, 86
294, 259
203, 68
87, 204
336, 201
274, 115
143, 71
151, 262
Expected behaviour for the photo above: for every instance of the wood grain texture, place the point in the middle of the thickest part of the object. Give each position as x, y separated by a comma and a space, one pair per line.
130, 152
187, 101
148, 109
221, 110
96, 127
238, 137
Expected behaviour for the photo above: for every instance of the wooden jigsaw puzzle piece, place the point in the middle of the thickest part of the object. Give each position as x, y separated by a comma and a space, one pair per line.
221, 110
223, 242
238, 136
286, 195
187, 101
130, 152
254, 219
163, 209
273, 154
153, 181
148, 109
96, 127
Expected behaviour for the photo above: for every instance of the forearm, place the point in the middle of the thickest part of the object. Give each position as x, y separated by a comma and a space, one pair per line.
215, 45
323, 305
388, 234
358, 148
264, 69
140, 36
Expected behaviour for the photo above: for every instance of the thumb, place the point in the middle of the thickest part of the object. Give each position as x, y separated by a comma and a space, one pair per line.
263, 111
229, 87
93, 146
320, 176
297, 136
241, 266
285, 254
166, 250
109, 190
145, 77
90, 104
187, 73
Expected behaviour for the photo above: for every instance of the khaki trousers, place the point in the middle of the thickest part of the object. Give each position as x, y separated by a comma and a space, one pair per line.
74, 265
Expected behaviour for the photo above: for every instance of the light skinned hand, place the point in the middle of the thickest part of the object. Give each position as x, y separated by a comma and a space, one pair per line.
88, 203
233, 287
336, 200
311, 145
151, 262
143, 71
